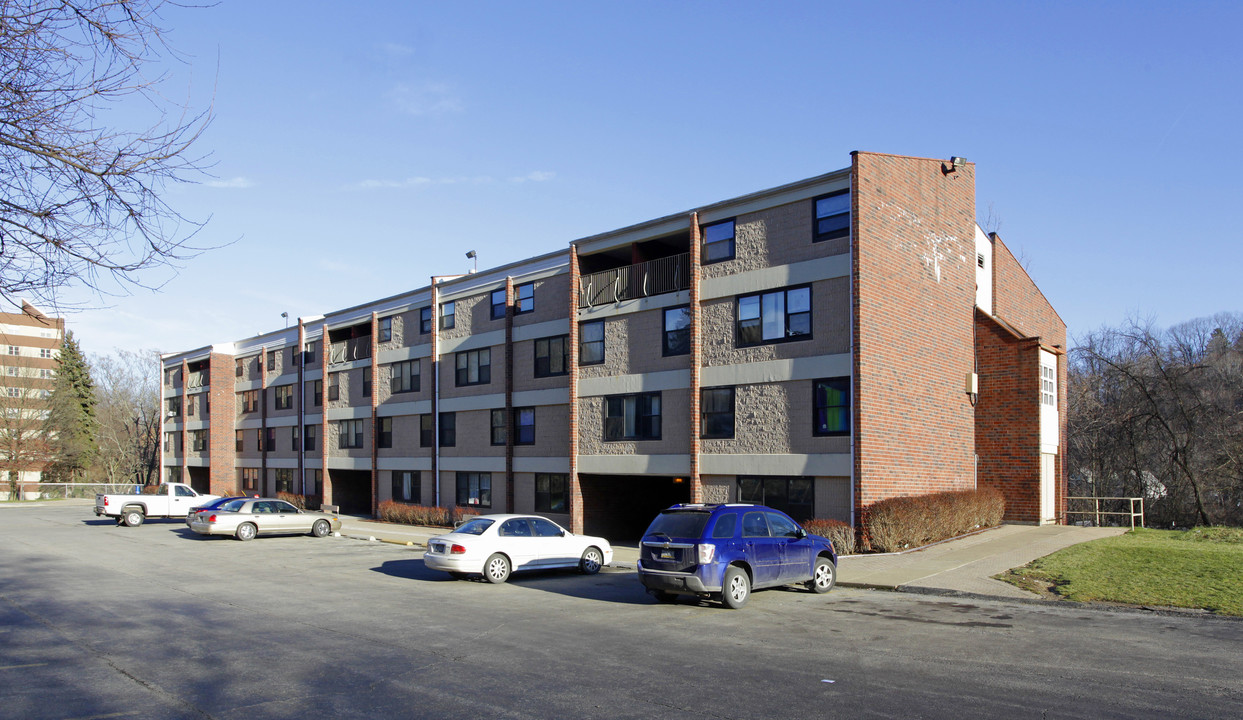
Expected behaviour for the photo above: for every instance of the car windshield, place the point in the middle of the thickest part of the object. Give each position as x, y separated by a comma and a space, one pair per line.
679, 523
476, 526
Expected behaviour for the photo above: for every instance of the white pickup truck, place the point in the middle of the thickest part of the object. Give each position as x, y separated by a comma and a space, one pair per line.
171, 500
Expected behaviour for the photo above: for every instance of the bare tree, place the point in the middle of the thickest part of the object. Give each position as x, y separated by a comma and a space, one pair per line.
127, 389
81, 199
24, 446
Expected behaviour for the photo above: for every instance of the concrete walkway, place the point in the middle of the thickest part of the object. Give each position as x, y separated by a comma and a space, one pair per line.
963, 566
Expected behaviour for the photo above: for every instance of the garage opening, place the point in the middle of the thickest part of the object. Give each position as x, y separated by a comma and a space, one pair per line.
351, 491
620, 507
200, 479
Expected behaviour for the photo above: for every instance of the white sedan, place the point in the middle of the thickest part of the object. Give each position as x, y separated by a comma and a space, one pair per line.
496, 545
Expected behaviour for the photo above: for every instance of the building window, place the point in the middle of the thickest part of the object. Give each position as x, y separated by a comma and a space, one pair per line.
448, 429
271, 361
447, 316
269, 442
259, 439
474, 489
198, 440
427, 431
15, 392
239, 440
317, 392
385, 329
474, 367
425, 320
777, 316
632, 417
350, 434
385, 438
552, 355
293, 438
309, 353
45, 352
15, 350
498, 304
11, 370
551, 493
716, 407
284, 480
284, 397
591, 343
832, 216
498, 427
250, 480
316, 483
677, 331
795, 496
524, 426
525, 302
308, 437
334, 386
249, 400
831, 405
719, 241
173, 405
366, 382
1048, 386
403, 376
406, 486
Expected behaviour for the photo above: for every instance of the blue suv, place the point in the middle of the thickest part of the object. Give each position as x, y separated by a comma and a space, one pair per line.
724, 551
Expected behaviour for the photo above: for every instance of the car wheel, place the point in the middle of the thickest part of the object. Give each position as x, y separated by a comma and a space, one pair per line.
664, 597
133, 518
321, 528
246, 531
823, 576
736, 588
591, 561
496, 569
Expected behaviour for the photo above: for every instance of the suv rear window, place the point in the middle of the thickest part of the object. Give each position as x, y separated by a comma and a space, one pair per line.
679, 524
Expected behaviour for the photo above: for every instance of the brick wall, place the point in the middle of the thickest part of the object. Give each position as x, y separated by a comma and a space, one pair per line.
222, 473
914, 293
1008, 418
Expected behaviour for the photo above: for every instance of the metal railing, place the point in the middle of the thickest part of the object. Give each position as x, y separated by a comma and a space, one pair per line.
654, 277
196, 379
48, 490
1134, 511
352, 349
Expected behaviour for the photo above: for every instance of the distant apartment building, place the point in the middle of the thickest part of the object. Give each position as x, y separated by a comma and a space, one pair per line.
30, 342
816, 347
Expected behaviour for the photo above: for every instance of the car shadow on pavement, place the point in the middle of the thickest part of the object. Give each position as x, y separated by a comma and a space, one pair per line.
413, 569
608, 586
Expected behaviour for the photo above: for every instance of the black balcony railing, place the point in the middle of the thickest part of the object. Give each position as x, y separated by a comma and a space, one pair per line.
654, 277
352, 349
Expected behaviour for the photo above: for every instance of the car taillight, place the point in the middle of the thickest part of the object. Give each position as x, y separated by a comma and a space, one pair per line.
707, 551
457, 549
211, 519
105, 501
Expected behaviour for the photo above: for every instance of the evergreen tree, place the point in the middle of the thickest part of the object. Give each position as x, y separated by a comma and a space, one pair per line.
71, 422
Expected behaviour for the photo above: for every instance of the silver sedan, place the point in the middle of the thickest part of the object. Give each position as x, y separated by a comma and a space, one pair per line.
247, 517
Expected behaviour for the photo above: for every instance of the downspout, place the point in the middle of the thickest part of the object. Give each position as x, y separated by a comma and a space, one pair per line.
300, 355
435, 312
854, 342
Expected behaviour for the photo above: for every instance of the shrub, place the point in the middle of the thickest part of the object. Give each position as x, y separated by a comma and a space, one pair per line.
906, 522
298, 501
153, 489
400, 512
842, 534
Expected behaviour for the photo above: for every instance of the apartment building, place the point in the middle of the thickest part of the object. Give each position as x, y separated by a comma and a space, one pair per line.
30, 341
817, 347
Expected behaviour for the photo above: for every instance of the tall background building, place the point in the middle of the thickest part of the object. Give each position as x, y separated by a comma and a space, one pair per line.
30, 341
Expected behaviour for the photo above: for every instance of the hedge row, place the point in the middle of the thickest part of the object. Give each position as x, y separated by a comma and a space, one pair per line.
842, 534
426, 515
907, 522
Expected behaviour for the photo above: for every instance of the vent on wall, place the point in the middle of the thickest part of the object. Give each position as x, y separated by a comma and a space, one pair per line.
979, 259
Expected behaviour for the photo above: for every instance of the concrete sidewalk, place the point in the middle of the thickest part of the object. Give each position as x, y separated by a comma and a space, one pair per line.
963, 566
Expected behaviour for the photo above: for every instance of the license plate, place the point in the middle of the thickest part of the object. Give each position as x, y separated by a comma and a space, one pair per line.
666, 554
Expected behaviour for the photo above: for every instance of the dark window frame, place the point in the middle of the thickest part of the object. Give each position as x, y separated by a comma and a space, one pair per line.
499, 430
524, 298
483, 373
448, 320
544, 364
740, 332
366, 382
583, 343
425, 320
239, 441
400, 486
448, 429
706, 416
317, 393
404, 376
427, 431
779, 498
816, 218
552, 499
819, 428
384, 329
732, 240
647, 425
665, 333
498, 309
524, 434
283, 397
350, 434
483, 489
384, 433
309, 437
334, 386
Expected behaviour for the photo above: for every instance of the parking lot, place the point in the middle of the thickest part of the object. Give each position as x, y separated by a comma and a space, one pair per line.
101, 621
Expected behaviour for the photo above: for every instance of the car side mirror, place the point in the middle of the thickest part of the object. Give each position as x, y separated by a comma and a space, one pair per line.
801, 534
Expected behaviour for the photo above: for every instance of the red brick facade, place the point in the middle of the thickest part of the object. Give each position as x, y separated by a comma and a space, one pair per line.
913, 299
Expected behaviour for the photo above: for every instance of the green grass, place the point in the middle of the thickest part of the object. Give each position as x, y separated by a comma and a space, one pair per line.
1200, 568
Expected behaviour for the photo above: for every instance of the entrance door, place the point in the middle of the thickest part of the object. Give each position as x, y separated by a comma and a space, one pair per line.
1048, 488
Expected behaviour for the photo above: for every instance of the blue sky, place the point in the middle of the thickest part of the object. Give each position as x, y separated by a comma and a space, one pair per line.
359, 148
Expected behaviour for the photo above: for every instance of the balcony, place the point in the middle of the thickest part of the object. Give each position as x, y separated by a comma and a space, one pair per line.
196, 379
653, 277
349, 350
